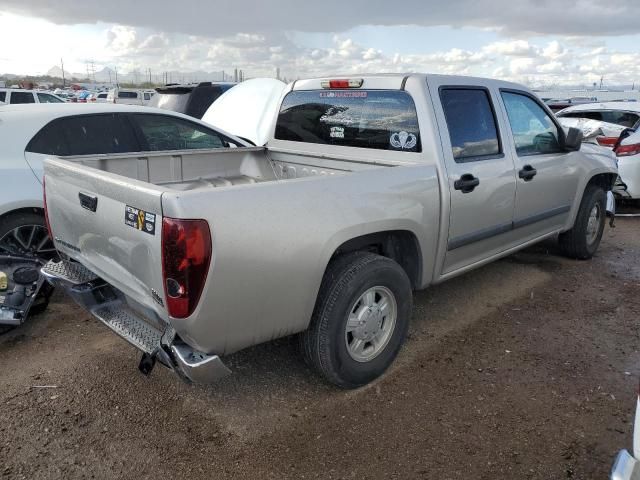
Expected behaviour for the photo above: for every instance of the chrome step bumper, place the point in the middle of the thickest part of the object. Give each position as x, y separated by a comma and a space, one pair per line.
156, 341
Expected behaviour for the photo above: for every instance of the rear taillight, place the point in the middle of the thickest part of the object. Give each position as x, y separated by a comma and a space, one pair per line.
186, 254
607, 141
46, 212
627, 150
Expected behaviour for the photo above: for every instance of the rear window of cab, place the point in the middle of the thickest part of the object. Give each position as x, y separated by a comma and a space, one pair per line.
376, 119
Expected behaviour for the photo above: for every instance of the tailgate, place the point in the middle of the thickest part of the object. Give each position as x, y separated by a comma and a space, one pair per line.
109, 223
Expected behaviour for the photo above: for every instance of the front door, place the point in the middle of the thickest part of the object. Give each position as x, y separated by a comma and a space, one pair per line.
480, 173
546, 182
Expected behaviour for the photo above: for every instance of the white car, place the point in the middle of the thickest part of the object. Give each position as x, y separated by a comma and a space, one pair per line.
626, 115
16, 96
129, 96
100, 97
29, 134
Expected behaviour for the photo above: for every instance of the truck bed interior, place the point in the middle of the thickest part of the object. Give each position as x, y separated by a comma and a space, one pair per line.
191, 170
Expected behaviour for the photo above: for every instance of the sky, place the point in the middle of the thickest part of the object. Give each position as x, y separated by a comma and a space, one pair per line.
538, 42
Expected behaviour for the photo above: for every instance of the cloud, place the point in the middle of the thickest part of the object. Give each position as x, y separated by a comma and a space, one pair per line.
537, 61
582, 18
512, 48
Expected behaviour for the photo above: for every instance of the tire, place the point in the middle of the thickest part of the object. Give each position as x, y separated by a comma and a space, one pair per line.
351, 281
27, 220
583, 240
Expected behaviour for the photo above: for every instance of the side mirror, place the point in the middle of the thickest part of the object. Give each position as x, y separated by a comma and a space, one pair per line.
572, 140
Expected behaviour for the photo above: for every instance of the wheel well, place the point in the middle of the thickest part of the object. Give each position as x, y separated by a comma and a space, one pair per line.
21, 211
399, 245
604, 180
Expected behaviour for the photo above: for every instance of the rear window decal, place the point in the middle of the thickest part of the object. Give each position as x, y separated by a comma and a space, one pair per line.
403, 140
343, 94
140, 220
337, 132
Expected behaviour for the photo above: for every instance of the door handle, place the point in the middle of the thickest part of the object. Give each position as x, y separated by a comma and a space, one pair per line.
466, 183
527, 173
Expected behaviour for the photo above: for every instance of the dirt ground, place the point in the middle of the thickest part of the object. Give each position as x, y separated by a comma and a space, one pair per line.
527, 368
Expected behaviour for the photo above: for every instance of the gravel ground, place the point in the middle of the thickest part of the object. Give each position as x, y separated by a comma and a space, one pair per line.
527, 368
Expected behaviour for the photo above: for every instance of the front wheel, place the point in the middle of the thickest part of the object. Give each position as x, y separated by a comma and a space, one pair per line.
360, 320
583, 240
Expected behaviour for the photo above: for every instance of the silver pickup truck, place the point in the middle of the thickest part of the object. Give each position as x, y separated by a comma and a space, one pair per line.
368, 188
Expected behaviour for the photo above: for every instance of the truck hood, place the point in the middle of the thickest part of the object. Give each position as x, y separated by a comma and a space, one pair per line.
248, 110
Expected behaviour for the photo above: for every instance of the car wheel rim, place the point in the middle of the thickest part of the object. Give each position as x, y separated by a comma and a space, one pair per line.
593, 224
30, 240
371, 322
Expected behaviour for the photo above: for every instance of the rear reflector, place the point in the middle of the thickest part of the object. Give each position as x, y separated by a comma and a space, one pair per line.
627, 150
607, 141
346, 83
186, 254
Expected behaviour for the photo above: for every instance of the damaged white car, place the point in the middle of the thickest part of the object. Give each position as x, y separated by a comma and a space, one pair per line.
613, 125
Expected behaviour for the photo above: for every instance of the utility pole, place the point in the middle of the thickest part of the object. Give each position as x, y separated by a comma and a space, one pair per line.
149, 77
62, 65
115, 69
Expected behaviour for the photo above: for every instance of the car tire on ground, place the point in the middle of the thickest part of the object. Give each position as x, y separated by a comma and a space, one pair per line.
583, 240
29, 239
360, 320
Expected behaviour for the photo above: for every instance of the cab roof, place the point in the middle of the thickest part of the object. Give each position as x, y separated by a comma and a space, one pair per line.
397, 81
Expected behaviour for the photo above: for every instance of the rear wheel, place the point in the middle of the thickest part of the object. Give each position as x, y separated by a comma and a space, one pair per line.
26, 234
360, 320
583, 240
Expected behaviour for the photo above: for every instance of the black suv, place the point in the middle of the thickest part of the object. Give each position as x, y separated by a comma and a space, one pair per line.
192, 99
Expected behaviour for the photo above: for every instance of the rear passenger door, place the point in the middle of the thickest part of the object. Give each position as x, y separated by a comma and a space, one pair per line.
480, 172
547, 175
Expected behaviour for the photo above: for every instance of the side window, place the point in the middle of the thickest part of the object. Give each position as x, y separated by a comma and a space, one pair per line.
46, 98
3, 96
471, 123
99, 134
533, 130
50, 140
163, 132
147, 96
624, 119
21, 97
127, 94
